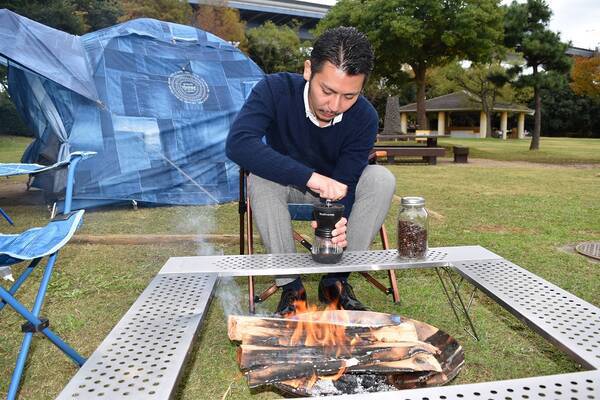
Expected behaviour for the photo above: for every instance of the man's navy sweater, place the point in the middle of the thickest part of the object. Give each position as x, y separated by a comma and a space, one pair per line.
295, 147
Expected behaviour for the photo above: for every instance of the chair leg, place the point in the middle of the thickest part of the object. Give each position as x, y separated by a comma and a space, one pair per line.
249, 231
250, 246
13, 289
33, 319
375, 282
6, 217
15, 380
394, 286
266, 294
384, 238
251, 308
242, 232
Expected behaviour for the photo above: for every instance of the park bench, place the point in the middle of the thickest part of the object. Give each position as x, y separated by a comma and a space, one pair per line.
391, 154
143, 357
425, 148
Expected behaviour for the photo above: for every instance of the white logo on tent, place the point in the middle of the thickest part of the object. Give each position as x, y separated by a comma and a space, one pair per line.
188, 87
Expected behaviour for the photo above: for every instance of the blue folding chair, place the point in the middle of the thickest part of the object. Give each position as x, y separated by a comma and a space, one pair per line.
13, 169
33, 246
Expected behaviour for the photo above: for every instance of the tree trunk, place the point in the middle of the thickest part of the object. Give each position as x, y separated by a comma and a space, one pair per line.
422, 122
488, 115
535, 139
490, 112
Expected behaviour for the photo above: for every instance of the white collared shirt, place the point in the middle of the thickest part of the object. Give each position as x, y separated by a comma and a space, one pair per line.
312, 117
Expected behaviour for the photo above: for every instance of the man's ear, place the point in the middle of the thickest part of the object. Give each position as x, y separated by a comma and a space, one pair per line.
307, 70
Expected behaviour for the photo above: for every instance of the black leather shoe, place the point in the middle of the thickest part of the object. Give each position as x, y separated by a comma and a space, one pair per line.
288, 297
341, 294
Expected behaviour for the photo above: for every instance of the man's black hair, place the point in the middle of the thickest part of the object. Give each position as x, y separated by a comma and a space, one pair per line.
346, 48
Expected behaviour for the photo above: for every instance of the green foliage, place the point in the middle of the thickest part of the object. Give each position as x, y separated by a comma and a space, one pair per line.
10, 122
166, 10
59, 14
526, 30
275, 48
73, 16
440, 82
421, 33
565, 112
99, 14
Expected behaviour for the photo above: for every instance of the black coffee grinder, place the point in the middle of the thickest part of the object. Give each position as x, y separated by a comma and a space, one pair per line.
327, 215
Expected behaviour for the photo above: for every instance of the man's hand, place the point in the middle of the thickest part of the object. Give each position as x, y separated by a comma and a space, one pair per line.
339, 233
327, 188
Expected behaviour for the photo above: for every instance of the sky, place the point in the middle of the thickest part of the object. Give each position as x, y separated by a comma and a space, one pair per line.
576, 20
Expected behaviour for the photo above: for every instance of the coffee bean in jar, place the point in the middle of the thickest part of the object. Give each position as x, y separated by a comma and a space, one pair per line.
412, 229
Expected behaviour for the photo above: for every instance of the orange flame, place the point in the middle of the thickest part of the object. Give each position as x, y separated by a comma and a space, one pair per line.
316, 329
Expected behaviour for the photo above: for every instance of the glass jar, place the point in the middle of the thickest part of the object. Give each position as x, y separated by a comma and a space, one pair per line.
412, 229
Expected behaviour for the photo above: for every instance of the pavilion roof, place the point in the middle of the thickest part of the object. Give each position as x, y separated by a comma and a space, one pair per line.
463, 101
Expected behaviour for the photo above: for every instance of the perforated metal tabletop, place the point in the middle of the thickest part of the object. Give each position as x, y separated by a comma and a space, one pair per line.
141, 357
144, 355
302, 263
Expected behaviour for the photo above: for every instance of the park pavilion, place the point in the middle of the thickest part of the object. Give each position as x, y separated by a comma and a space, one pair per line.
457, 116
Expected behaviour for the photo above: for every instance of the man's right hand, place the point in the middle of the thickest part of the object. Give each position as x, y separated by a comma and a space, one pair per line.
327, 188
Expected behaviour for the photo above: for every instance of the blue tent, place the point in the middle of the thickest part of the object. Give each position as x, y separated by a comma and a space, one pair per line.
154, 99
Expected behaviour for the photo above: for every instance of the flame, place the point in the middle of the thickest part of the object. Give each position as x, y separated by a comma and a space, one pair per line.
316, 329
334, 377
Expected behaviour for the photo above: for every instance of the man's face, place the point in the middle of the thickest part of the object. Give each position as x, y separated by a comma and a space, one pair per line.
331, 91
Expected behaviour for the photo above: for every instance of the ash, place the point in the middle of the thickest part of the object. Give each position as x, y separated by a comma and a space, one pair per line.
352, 384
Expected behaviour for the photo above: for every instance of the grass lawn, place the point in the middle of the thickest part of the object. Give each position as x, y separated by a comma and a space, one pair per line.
528, 213
552, 150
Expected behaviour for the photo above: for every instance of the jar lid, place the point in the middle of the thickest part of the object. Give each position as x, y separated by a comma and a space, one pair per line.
412, 201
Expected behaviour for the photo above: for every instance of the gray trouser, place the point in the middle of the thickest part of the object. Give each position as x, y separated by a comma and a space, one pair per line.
269, 202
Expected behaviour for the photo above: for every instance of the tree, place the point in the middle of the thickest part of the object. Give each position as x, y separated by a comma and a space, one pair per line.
439, 81
99, 14
565, 112
222, 21
586, 77
486, 80
526, 30
58, 14
72, 16
166, 10
275, 48
422, 34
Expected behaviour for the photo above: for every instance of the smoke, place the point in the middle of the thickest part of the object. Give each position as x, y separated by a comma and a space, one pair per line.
229, 295
201, 221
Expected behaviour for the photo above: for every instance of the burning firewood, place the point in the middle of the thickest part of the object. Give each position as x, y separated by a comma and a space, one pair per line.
237, 325
282, 372
250, 356
329, 343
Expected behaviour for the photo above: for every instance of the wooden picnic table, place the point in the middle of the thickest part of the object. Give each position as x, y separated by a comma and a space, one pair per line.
431, 140
428, 151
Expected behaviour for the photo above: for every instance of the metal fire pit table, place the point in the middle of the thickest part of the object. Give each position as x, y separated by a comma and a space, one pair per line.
144, 355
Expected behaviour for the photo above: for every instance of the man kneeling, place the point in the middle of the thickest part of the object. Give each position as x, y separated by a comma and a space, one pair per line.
319, 132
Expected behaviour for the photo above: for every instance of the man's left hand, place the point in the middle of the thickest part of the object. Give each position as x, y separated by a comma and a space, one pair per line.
339, 233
